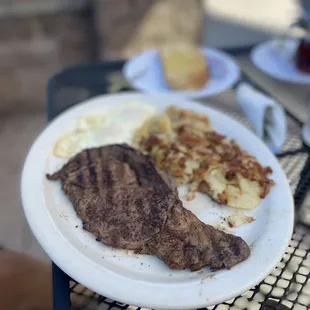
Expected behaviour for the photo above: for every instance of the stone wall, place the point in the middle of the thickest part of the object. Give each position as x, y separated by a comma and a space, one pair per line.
35, 42
41, 37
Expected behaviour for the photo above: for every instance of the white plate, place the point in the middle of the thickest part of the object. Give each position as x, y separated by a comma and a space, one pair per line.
275, 58
144, 72
140, 279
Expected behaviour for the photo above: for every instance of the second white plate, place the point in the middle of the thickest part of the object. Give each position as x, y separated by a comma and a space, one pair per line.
144, 72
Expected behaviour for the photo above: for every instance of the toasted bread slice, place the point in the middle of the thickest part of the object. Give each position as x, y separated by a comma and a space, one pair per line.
185, 67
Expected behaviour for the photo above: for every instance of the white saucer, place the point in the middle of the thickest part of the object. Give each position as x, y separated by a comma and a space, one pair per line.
275, 58
144, 72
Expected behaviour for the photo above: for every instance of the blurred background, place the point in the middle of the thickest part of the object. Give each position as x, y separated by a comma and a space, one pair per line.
41, 37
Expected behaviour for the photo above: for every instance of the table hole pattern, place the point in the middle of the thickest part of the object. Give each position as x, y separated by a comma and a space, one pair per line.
287, 287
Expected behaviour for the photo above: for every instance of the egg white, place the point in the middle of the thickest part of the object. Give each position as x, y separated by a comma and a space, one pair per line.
117, 126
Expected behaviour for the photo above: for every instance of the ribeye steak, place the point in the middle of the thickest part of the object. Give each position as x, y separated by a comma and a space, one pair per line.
126, 203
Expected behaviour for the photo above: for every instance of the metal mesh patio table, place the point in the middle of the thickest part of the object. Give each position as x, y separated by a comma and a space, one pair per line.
287, 287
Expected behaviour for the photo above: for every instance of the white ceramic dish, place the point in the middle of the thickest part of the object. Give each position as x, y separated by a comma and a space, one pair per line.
144, 72
145, 280
275, 58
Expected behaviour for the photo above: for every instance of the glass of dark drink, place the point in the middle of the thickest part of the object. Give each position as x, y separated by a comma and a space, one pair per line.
302, 57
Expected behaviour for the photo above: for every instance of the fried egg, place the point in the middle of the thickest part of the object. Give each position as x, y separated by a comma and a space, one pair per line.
123, 122
72, 143
94, 130
91, 122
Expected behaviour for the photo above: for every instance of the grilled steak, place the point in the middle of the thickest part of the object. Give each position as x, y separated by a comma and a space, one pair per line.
126, 203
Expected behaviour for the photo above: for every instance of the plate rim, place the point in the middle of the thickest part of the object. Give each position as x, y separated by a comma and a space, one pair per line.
202, 93
71, 267
263, 46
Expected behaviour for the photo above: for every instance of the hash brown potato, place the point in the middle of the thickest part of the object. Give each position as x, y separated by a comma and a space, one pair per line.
184, 144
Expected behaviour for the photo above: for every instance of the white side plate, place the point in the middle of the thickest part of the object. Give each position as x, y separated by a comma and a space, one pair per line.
144, 72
